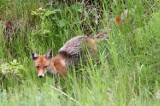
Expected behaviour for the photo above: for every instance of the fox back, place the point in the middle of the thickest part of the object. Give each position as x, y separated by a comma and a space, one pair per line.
76, 47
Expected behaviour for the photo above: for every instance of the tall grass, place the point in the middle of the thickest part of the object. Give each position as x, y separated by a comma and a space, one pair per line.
127, 70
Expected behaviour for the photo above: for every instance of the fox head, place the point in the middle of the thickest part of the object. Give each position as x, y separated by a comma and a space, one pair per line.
41, 62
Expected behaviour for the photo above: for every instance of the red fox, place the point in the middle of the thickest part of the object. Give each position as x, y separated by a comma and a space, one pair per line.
68, 55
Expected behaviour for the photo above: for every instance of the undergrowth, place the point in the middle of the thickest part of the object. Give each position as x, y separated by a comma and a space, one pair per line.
127, 71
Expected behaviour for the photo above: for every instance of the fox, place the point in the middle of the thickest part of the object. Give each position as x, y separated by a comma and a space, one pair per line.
68, 55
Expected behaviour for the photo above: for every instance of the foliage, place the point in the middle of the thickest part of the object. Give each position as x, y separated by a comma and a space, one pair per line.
9, 70
127, 69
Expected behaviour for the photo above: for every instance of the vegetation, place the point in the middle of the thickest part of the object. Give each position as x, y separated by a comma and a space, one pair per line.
127, 71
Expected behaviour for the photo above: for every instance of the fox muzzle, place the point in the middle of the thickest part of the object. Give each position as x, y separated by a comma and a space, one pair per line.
40, 75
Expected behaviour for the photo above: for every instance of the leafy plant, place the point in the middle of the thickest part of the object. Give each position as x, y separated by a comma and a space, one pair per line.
44, 14
11, 69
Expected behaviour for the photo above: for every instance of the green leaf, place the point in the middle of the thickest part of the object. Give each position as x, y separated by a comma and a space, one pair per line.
49, 12
61, 23
57, 10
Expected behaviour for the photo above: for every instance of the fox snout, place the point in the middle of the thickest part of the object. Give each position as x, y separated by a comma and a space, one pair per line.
40, 75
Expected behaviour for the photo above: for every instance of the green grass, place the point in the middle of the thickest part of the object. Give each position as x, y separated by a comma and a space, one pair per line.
128, 69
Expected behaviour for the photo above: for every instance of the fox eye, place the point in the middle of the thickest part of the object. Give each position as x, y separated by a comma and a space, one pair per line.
37, 67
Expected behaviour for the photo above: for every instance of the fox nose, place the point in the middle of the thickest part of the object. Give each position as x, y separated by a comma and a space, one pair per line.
40, 75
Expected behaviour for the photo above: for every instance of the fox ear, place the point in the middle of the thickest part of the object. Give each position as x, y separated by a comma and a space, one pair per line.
34, 56
49, 54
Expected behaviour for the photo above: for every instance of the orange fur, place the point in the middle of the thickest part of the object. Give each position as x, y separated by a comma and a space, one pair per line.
57, 65
117, 20
91, 44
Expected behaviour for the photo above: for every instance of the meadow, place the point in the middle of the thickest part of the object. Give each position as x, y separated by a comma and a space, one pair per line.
127, 72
